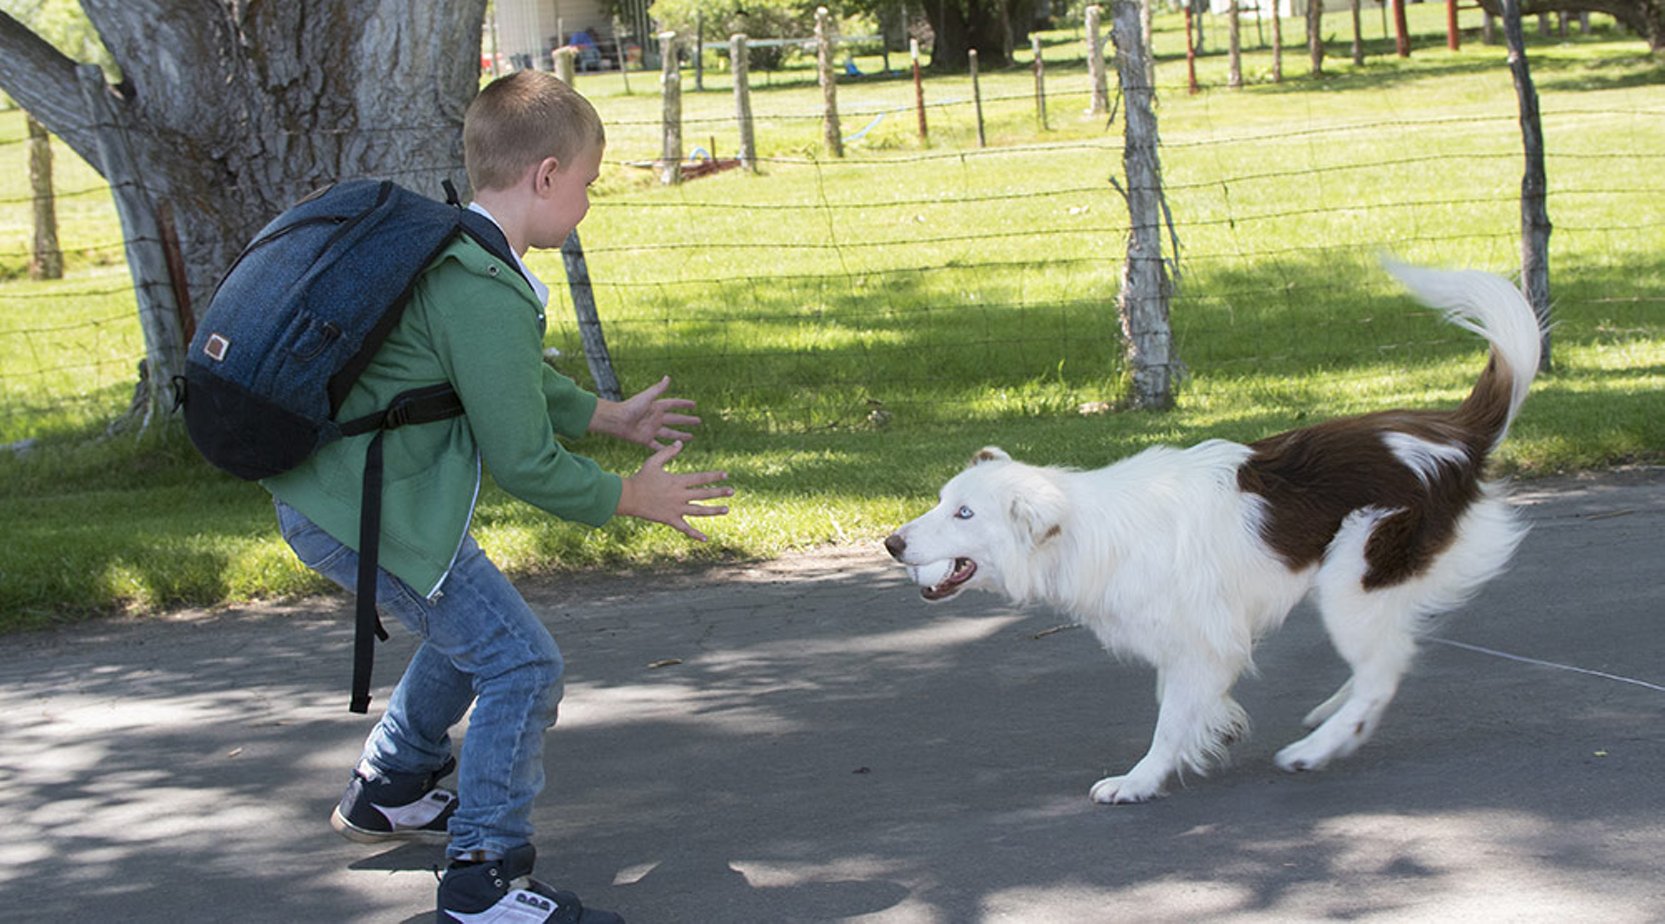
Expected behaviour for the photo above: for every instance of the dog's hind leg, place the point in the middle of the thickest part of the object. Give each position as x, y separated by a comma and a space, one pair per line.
1196, 720
1375, 632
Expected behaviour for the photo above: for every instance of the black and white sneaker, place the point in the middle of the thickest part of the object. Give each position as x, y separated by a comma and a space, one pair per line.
395, 807
504, 892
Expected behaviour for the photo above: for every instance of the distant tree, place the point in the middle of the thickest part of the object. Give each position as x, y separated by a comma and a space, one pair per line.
1644, 17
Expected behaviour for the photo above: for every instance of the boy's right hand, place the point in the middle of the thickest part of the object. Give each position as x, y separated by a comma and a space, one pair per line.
666, 497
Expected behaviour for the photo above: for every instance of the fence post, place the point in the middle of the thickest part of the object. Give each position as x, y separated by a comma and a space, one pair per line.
1534, 216
1040, 81
159, 304
1234, 45
46, 261
1191, 49
670, 86
1453, 40
1143, 301
977, 100
740, 67
563, 64
1095, 63
918, 90
1315, 35
1358, 33
589, 322
1401, 32
830, 133
1277, 41
1145, 26
699, 53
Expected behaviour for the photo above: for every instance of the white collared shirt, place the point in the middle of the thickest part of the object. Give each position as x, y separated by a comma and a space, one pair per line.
538, 287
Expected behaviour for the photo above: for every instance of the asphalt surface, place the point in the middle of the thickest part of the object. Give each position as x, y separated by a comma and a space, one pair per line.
805, 740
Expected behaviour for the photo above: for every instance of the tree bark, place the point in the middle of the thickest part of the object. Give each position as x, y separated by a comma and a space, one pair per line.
233, 110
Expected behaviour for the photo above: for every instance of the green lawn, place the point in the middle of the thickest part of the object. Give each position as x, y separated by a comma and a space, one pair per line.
855, 328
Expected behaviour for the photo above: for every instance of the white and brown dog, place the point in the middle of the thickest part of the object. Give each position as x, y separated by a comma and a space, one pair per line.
1185, 557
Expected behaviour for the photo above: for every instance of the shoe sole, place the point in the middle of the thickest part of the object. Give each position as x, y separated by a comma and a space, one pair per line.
360, 835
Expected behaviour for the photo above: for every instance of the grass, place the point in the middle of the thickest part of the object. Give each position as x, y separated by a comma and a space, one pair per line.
855, 328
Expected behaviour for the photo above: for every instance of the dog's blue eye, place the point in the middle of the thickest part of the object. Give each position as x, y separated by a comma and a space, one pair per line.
964, 513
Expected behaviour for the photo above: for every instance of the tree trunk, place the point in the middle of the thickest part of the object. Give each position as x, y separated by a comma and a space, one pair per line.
990, 26
233, 110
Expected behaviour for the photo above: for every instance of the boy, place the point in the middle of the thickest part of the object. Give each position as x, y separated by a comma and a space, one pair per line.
532, 146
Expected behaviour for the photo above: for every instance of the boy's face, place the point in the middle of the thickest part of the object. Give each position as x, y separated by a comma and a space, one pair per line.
563, 192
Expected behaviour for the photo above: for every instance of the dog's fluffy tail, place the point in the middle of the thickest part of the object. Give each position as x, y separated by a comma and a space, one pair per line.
1492, 307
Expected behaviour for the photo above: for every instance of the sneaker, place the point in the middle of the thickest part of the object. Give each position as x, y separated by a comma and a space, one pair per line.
395, 807
504, 892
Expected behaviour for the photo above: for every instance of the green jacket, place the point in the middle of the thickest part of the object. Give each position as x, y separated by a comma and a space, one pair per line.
474, 322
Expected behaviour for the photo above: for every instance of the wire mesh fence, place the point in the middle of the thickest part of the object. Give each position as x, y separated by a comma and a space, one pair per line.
941, 280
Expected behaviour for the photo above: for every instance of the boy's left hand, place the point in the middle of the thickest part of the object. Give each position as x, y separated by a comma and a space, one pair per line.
645, 417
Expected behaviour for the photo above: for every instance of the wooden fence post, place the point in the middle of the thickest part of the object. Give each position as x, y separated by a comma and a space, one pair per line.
699, 53
831, 135
1191, 49
977, 100
918, 91
670, 86
1277, 41
1234, 45
1315, 36
1095, 63
1040, 81
1534, 188
589, 322
46, 261
740, 68
1143, 301
1358, 32
563, 64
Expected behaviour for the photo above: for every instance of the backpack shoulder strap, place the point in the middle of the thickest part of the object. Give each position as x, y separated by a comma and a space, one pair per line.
483, 230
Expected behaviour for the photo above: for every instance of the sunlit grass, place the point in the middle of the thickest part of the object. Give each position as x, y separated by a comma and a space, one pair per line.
854, 330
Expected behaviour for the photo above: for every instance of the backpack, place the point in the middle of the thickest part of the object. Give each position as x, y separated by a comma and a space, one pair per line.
293, 324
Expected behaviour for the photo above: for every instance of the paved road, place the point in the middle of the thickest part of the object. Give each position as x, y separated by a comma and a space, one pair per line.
825, 747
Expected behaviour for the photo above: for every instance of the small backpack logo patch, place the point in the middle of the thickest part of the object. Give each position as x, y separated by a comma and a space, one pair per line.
216, 347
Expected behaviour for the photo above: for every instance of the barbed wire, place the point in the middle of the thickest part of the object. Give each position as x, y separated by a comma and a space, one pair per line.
979, 299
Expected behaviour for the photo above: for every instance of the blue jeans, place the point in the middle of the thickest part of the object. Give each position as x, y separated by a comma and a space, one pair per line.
481, 644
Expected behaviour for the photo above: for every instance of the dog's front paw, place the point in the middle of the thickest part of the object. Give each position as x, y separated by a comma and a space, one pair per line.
1306, 754
1114, 790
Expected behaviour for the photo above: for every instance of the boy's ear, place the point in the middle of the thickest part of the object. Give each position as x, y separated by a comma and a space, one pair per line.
543, 176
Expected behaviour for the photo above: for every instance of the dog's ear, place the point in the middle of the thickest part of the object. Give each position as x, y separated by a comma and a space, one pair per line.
989, 454
1039, 511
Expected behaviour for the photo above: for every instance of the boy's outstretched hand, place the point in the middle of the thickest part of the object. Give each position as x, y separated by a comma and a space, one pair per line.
646, 418
669, 498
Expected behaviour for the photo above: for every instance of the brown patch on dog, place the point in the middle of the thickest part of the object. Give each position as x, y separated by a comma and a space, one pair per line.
986, 454
1313, 478
1053, 533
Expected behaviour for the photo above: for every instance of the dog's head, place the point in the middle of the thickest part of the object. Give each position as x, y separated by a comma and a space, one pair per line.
990, 520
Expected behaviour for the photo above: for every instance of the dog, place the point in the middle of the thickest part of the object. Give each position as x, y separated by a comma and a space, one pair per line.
1184, 558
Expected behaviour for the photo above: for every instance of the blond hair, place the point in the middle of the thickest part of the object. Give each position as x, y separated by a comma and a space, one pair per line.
520, 119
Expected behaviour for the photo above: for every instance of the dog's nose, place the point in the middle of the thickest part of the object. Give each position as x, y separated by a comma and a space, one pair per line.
896, 545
